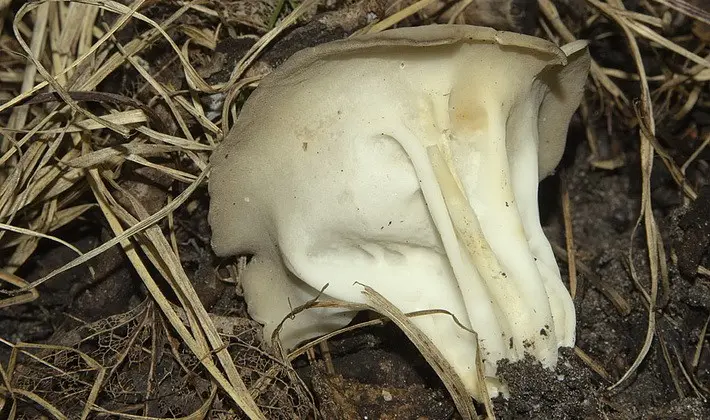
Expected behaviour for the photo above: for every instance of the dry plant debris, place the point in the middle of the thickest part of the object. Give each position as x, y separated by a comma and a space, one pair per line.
109, 111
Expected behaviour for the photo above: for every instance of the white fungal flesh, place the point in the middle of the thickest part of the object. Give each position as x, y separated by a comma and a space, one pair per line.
413, 170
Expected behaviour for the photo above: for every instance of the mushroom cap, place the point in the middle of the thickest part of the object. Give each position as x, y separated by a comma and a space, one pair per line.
566, 85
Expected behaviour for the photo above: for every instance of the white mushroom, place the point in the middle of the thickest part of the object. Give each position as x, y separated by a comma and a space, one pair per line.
408, 161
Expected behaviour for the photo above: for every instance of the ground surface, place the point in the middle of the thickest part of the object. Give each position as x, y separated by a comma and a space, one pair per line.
374, 372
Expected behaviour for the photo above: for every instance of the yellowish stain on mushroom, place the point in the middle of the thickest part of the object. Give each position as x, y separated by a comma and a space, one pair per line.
468, 117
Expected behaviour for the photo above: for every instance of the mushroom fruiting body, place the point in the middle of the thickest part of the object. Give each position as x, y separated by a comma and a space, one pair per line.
408, 161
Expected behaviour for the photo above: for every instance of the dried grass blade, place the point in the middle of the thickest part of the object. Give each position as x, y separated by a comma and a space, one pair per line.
52, 410
200, 414
669, 365
647, 154
231, 96
61, 218
262, 43
100, 156
179, 142
437, 361
39, 33
123, 118
569, 239
596, 367
133, 116
458, 10
19, 282
688, 9
699, 347
26, 248
172, 173
398, 17
487, 402
30, 232
199, 116
686, 375
95, 388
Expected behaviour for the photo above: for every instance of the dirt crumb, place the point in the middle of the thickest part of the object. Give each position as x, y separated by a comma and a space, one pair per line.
539, 393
